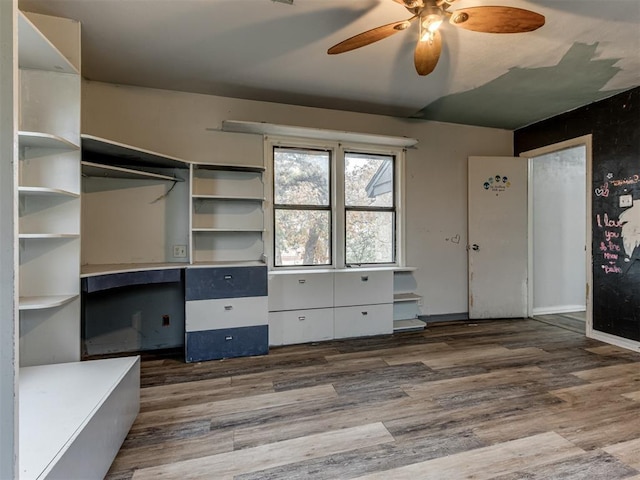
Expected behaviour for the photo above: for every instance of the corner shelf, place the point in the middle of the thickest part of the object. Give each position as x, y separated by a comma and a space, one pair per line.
98, 170
24, 236
36, 52
44, 191
44, 301
45, 140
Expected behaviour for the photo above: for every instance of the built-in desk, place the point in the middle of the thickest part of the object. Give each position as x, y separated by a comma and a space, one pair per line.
216, 310
96, 278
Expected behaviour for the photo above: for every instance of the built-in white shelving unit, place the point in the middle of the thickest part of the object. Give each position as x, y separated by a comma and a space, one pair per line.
48, 192
227, 214
406, 303
73, 416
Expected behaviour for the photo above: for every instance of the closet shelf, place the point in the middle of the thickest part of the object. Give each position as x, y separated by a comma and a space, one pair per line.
227, 230
111, 152
36, 52
90, 169
45, 140
227, 197
24, 236
44, 301
230, 167
38, 191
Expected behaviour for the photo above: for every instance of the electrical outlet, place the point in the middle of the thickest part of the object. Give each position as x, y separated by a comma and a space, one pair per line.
180, 251
626, 200
166, 320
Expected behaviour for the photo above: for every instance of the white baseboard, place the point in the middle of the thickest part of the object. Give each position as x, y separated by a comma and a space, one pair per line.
558, 309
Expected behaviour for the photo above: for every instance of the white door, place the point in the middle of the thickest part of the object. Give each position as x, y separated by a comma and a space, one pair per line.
497, 237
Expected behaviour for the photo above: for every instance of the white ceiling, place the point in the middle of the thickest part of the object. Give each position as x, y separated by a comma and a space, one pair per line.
264, 50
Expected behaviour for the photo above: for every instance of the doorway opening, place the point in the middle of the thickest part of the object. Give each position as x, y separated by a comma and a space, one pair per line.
559, 234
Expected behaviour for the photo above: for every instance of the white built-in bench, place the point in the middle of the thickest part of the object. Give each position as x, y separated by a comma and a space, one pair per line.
75, 416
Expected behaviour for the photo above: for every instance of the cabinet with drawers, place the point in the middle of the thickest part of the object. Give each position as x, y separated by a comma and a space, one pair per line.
225, 312
316, 305
364, 303
300, 307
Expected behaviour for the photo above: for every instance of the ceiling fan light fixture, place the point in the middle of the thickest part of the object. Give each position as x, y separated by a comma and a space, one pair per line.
429, 24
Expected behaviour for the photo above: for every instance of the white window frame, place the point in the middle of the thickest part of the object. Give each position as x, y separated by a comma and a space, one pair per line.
337, 239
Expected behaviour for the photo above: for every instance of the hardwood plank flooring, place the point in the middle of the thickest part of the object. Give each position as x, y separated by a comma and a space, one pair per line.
502, 399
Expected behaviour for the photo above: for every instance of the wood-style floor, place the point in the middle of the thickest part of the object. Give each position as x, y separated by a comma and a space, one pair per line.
507, 400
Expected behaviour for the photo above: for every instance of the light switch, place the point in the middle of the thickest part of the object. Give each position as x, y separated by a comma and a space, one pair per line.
626, 200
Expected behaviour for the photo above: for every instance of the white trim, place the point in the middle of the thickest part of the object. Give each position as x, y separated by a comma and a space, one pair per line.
337, 150
559, 309
531, 154
262, 128
613, 339
585, 140
9, 329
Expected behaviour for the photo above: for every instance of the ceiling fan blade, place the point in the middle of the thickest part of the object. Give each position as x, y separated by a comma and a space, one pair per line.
427, 54
370, 36
497, 19
410, 3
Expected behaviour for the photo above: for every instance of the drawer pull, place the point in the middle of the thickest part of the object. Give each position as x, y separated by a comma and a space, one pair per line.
302, 280
228, 307
364, 278
228, 337
365, 313
228, 277
302, 318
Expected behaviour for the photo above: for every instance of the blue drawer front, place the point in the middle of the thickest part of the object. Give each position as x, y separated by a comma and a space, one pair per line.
226, 343
124, 279
232, 282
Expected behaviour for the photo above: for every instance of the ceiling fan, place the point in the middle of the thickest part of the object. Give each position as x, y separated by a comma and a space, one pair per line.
430, 14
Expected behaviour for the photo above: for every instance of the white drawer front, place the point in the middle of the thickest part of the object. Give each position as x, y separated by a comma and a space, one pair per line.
300, 326
300, 291
363, 288
363, 320
225, 313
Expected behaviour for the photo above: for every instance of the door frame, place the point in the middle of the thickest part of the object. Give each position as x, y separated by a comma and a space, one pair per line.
586, 141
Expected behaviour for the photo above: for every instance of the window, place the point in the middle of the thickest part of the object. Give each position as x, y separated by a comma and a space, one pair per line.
334, 205
369, 204
302, 206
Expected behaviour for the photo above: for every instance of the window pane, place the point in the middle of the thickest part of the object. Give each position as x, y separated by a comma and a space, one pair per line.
368, 180
369, 237
301, 177
302, 237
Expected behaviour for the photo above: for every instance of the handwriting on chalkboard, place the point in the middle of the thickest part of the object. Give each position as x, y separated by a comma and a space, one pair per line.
609, 245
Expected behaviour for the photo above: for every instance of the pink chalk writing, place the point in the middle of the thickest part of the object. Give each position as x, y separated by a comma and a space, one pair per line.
609, 246
614, 269
626, 181
605, 221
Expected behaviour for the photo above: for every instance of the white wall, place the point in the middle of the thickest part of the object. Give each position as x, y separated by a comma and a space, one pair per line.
559, 231
176, 123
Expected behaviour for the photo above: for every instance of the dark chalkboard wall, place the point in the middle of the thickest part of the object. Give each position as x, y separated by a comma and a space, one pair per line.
615, 126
